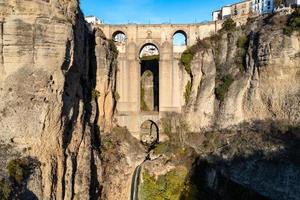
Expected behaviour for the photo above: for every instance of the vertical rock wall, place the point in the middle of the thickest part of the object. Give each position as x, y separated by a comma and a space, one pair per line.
48, 105
266, 87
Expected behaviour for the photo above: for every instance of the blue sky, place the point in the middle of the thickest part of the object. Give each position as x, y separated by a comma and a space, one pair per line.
152, 11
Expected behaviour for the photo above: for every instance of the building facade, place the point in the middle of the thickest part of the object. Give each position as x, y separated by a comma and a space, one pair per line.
241, 9
226, 12
217, 15
262, 6
93, 20
237, 10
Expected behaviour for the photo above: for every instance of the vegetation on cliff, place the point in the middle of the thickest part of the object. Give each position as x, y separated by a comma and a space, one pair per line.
188, 91
168, 186
224, 86
147, 58
228, 25
18, 172
275, 143
5, 190
293, 23
186, 60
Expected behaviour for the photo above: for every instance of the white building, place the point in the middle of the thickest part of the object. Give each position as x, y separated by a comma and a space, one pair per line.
226, 12
236, 10
93, 20
262, 6
217, 15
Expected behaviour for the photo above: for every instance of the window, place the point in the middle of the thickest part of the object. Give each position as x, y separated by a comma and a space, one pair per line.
119, 36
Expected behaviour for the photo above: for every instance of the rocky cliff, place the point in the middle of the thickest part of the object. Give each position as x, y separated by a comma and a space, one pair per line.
241, 119
55, 74
238, 137
251, 73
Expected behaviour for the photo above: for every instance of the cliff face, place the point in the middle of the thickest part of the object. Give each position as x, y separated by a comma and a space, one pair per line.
49, 95
57, 93
261, 66
242, 113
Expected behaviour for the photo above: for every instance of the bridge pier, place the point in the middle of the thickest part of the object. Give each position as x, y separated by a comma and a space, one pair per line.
172, 78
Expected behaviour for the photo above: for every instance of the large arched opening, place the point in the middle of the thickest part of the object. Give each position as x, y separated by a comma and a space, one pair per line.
179, 41
149, 60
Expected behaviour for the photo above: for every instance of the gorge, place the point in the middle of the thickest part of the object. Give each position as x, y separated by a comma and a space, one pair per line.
85, 114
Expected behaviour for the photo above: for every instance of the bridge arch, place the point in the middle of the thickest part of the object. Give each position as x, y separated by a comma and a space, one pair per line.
119, 36
149, 78
143, 44
171, 80
149, 132
180, 33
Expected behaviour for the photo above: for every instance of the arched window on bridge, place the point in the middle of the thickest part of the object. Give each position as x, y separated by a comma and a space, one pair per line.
149, 59
179, 41
119, 37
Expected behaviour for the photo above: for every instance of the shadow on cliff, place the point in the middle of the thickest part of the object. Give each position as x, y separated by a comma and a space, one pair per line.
80, 111
257, 162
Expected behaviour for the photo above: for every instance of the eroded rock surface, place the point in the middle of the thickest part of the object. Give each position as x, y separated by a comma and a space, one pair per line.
267, 88
50, 68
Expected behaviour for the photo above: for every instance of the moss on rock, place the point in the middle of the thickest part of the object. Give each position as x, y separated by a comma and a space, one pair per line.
168, 186
223, 88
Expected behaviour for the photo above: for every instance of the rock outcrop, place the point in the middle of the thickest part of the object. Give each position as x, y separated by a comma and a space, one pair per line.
243, 113
57, 94
265, 77
52, 70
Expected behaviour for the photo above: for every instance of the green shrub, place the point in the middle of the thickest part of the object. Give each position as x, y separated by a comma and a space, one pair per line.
146, 58
5, 190
188, 92
116, 96
168, 186
243, 42
95, 94
203, 44
250, 21
17, 170
229, 25
223, 88
293, 23
161, 148
186, 59
288, 30
113, 48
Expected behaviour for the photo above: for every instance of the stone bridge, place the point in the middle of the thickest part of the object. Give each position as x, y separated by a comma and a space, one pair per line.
171, 78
